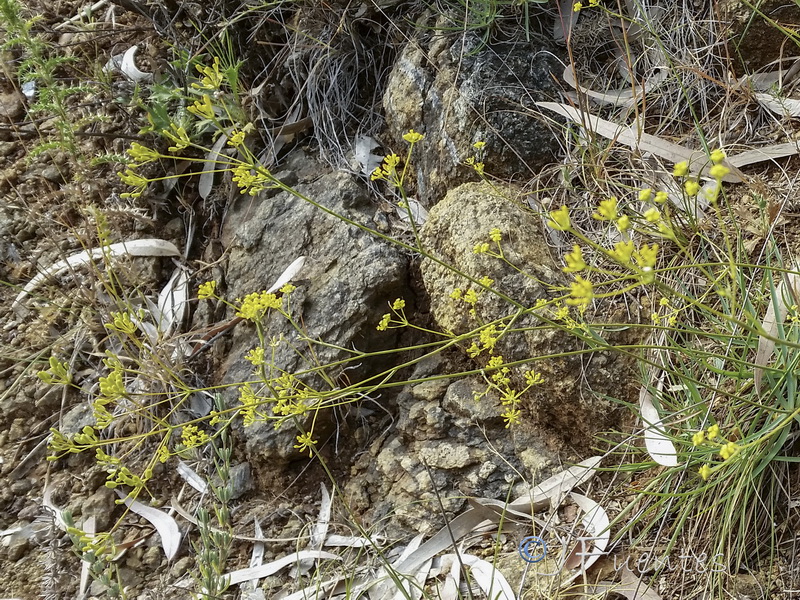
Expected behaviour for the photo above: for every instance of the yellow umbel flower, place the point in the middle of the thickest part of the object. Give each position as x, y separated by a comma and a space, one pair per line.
203, 108
581, 292
412, 137
304, 442
236, 139
728, 450
681, 169
212, 78
574, 260
254, 306
717, 156
692, 187
142, 154
132, 178
607, 211
178, 135
206, 290
705, 472
718, 171
559, 219
653, 215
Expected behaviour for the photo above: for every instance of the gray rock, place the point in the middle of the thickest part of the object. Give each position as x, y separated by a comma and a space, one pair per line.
467, 452
456, 98
755, 34
349, 279
11, 106
100, 505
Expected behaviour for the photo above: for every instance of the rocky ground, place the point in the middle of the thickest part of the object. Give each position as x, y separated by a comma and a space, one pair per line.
400, 460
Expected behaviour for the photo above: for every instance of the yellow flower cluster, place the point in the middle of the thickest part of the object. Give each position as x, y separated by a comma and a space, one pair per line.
192, 436
207, 290
255, 305
717, 171
252, 181
202, 108
212, 78
305, 442
178, 136
412, 137
142, 154
387, 322
122, 323
256, 356
388, 170
712, 437
57, 373
497, 376
130, 177
578, 6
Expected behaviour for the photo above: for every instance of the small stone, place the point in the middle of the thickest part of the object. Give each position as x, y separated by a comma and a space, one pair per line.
182, 566
152, 557
446, 455
21, 487
17, 548
11, 106
430, 390
100, 505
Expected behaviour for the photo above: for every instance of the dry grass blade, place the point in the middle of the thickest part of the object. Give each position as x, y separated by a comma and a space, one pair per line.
643, 142
146, 247
165, 525
270, 568
659, 446
786, 292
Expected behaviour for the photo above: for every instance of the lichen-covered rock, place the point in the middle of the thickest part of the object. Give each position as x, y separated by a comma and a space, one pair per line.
754, 36
455, 226
457, 98
570, 405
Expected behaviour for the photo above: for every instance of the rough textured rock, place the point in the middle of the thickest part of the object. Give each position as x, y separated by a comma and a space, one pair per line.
454, 226
456, 99
566, 404
349, 278
753, 36
453, 446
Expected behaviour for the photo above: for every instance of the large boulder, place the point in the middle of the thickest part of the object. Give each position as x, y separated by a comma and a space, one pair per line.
457, 96
349, 278
575, 401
